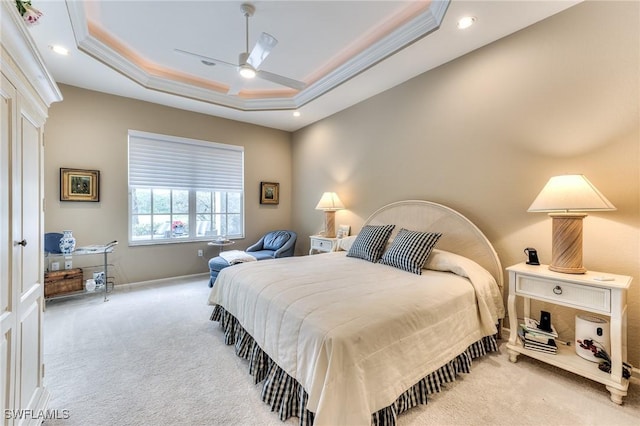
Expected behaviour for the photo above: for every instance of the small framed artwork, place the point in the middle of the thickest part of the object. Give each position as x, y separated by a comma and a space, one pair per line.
269, 193
79, 185
343, 231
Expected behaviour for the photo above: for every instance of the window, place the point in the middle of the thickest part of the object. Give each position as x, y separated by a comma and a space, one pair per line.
183, 189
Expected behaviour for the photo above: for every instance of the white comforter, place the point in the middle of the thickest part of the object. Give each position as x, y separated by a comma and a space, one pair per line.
356, 334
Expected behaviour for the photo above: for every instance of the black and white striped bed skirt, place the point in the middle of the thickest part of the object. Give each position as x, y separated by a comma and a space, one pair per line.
285, 395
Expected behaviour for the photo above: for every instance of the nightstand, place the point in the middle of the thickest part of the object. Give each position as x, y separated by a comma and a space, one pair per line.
320, 244
586, 292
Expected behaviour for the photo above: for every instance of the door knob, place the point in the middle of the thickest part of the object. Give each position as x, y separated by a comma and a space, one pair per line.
22, 243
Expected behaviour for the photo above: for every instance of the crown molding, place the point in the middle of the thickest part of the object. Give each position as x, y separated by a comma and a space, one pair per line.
416, 28
22, 51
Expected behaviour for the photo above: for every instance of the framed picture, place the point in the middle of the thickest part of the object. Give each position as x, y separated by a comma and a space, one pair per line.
269, 193
79, 185
343, 231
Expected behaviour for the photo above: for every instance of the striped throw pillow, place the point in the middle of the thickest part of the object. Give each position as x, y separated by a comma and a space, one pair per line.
370, 242
410, 249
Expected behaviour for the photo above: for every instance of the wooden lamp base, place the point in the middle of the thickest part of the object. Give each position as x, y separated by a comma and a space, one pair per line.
566, 251
330, 223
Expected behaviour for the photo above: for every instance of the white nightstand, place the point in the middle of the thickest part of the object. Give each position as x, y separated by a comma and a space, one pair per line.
320, 244
581, 291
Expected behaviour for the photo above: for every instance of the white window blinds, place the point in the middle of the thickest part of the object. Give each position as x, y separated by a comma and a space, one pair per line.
161, 161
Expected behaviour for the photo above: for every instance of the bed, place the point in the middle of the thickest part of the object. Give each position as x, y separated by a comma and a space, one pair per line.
337, 339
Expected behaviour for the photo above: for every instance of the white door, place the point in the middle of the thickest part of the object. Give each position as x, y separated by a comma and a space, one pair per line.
26, 91
27, 259
7, 304
21, 263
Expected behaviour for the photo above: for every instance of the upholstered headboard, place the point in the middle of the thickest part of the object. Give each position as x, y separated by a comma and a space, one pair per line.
459, 234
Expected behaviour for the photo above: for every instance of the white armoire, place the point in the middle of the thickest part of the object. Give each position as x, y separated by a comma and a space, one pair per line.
26, 92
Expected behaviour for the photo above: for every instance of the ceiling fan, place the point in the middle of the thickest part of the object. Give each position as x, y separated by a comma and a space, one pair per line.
249, 63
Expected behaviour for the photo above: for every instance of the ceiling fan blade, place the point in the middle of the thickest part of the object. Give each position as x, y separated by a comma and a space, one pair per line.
206, 58
261, 50
279, 79
236, 86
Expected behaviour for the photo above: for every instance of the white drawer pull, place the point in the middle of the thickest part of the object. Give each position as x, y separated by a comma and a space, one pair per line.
557, 290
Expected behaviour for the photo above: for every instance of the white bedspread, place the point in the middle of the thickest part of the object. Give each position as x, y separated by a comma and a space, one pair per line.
356, 334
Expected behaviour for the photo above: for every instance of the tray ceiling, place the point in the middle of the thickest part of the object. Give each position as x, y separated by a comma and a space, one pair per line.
344, 51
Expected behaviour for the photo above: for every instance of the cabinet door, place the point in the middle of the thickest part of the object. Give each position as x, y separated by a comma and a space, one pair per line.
27, 261
7, 299
21, 270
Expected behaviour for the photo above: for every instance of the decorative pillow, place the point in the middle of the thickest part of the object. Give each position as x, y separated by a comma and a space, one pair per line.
370, 242
345, 243
410, 249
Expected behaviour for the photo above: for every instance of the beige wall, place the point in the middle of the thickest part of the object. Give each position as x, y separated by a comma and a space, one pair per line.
481, 134
88, 130
484, 133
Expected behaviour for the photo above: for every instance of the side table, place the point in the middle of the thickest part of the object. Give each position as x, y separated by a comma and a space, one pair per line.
596, 292
220, 244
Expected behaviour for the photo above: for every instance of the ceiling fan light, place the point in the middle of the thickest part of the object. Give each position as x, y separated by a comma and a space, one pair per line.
247, 71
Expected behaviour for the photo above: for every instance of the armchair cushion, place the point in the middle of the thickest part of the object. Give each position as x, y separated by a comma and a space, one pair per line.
275, 240
263, 254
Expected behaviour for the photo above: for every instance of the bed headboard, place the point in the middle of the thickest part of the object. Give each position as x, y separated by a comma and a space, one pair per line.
459, 234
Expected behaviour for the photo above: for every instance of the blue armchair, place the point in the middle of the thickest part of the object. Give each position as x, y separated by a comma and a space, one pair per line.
272, 245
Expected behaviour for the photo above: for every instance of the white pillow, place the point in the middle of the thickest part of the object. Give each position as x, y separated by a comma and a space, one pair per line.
445, 261
345, 243
440, 260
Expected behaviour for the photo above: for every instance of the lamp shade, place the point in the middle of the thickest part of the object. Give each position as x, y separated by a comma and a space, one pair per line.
570, 193
330, 202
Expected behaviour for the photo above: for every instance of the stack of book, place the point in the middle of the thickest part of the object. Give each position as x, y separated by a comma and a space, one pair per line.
534, 338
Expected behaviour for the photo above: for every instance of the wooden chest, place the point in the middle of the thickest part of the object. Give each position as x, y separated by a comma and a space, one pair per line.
61, 282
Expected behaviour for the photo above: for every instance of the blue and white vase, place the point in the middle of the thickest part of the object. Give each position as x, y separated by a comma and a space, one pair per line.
67, 242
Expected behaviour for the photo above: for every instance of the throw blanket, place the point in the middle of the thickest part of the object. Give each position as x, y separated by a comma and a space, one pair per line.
355, 334
236, 256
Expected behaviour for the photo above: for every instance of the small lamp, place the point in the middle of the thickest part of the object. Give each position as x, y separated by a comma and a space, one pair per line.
565, 197
330, 203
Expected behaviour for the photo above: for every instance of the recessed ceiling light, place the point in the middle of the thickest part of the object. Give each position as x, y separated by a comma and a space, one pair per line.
60, 50
466, 22
208, 63
296, 113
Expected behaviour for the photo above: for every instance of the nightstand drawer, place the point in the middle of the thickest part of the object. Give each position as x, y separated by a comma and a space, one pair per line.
579, 296
321, 244
324, 245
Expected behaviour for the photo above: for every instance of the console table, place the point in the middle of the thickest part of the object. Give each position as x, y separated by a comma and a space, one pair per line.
94, 250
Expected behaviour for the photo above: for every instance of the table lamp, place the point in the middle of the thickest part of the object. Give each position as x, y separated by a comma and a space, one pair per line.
330, 203
565, 198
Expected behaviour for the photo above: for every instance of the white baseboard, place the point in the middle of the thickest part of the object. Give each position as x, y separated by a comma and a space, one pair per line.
162, 281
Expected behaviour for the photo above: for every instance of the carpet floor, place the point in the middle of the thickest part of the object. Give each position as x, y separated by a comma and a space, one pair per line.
151, 356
